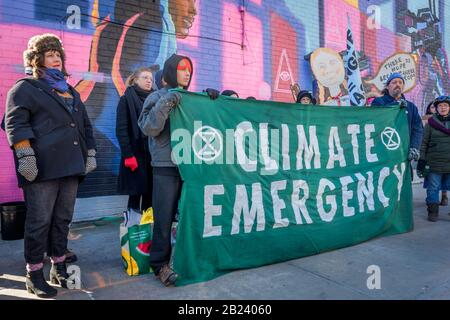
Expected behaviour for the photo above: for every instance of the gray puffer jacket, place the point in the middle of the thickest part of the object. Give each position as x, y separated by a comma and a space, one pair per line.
154, 122
154, 119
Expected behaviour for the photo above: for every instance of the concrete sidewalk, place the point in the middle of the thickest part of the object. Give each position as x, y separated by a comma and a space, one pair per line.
415, 265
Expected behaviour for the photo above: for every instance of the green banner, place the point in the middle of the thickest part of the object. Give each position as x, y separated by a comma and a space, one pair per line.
266, 182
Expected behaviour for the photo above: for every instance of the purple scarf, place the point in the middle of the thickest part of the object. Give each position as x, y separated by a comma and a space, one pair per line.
55, 79
438, 125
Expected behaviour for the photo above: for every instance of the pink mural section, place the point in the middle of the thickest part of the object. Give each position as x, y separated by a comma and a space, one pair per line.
335, 15
284, 58
243, 69
14, 42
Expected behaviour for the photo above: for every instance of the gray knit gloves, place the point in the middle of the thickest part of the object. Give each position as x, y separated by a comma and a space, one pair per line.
413, 154
91, 162
172, 98
27, 163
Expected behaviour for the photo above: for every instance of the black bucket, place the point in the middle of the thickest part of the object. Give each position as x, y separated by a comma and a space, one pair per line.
13, 220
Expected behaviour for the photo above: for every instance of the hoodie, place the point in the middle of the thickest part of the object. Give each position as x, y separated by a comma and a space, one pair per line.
170, 71
154, 119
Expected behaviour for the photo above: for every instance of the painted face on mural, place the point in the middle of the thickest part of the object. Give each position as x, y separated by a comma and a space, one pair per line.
52, 60
395, 87
183, 13
328, 68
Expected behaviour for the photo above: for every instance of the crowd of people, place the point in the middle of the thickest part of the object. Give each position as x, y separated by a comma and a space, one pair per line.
51, 136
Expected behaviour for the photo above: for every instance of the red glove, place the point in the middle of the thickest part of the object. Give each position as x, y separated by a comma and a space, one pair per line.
131, 163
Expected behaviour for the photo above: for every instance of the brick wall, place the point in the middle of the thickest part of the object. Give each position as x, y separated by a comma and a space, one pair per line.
255, 47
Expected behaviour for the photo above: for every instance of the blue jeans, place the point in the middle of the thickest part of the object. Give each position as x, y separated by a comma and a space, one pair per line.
435, 183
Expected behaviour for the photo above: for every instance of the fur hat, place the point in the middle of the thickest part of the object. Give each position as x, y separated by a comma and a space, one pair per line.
37, 47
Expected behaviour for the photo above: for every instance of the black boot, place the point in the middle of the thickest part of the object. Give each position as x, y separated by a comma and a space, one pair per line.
35, 283
58, 274
433, 212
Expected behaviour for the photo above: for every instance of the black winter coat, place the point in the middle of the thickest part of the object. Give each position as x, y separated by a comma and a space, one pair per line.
139, 181
60, 138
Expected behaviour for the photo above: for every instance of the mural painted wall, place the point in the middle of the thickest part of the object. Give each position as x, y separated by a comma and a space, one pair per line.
255, 47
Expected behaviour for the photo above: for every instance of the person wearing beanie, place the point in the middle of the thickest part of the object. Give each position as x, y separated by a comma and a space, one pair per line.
393, 95
435, 153
135, 171
154, 122
305, 97
48, 128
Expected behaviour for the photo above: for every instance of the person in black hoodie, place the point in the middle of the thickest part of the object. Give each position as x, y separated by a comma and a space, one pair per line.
135, 172
305, 97
154, 122
49, 130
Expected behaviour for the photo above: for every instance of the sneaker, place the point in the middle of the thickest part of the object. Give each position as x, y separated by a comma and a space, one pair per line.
167, 276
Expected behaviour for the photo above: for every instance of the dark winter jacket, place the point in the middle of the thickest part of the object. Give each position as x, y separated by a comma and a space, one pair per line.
414, 120
60, 137
133, 143
435, 148
154, 119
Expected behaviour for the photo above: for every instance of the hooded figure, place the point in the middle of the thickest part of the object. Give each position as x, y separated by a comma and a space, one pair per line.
305, 94
154, 122
154, 119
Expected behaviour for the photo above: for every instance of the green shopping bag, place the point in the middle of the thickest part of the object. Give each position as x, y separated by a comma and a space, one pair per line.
136, 242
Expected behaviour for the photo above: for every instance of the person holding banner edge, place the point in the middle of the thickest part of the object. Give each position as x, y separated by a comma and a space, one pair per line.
167, 183
393, 94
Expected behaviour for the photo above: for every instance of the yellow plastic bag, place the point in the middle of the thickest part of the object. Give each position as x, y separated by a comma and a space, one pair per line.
147, 216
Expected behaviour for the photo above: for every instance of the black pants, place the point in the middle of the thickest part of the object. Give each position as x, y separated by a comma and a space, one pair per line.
140, 202
166, 193
50, 206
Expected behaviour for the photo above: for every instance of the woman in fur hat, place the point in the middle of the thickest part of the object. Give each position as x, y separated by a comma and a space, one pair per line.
48, 128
